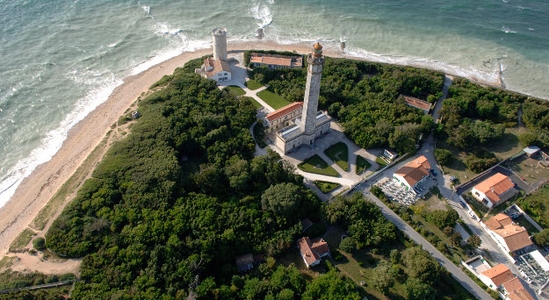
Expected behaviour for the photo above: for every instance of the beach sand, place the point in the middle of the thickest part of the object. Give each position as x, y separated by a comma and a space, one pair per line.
38, 188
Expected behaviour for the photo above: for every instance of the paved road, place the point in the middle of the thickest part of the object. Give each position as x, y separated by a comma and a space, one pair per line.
459, 275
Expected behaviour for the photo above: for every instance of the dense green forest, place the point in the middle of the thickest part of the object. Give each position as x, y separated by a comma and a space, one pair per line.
364, 97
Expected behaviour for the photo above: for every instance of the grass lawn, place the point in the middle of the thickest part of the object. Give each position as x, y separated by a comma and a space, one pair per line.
477, 207
252, 84
236, 89
508, 145
315, 164
535, 205
339, 153
380, 162
326, 187
22, 240
274, 100
254, 102
361, 164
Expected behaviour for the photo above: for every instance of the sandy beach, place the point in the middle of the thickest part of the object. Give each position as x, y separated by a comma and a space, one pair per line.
36, 190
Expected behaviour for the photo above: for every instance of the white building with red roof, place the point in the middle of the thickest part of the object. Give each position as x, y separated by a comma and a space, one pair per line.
413, 173
496, 276
282, 117
515, 290
509, 236
312, 251
276, 61
217, 67
494, 190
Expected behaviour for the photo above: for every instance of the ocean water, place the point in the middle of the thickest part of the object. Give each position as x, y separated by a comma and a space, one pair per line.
60, 59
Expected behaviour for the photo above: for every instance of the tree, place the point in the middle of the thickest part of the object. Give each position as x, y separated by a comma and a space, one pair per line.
348, 245
419, 264
383, 277
542, 237
283, 199
39, 244
455, 239
474, 240
443, 218
417, 290
331, 286
443, 156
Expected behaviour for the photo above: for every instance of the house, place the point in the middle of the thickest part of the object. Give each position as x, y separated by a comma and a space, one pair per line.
281, 117
312, 251
509, 236
514, 290
496, 276
276, 61
245, 262
494, 190
216, 69
418, 103
413, 173
390, 154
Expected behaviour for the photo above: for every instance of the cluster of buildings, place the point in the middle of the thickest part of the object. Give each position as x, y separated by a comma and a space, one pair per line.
217, 67
498, 278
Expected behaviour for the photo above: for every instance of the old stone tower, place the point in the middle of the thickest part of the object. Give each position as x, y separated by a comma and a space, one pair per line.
315, 62
219, 43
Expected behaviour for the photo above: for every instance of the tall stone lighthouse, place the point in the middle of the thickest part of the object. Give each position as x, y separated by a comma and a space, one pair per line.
315, 62
312, 124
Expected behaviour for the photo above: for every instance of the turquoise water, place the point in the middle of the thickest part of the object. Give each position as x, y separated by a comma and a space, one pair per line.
60, 59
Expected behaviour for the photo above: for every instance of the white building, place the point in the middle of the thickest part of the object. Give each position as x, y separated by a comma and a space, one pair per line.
494, 190
313, 123
413, 173
509, 236
282, 117
217, 68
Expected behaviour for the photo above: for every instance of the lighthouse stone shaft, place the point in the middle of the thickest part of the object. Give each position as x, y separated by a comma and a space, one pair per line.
315, 62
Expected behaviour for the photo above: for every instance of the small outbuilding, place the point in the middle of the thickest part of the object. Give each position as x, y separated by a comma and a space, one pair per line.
531, 151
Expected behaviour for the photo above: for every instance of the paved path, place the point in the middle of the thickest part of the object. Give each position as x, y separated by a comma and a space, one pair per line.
459, 275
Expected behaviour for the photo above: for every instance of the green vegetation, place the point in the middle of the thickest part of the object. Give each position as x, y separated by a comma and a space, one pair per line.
339, 153
6, 261
536, 206
259, 134
542, 238
443, 156
56, 293
253, 85
238, 91
10, 280
22, 240
256, 104
315, 164
382, 163
361, 164
274, 100
148, 222
364, 98
326, 187
39, 244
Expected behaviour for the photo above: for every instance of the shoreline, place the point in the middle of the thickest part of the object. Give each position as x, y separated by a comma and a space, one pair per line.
36, 190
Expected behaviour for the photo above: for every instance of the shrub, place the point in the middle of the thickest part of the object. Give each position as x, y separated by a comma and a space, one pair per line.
39, 244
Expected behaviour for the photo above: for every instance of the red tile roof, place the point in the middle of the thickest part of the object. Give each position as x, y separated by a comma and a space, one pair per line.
281, 112
495, 186
415, 170
312, 251
499, 274
515, 236
277, 60
417, 103
516, 290
216, 65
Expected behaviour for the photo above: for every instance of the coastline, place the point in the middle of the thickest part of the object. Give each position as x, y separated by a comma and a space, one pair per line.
34, 191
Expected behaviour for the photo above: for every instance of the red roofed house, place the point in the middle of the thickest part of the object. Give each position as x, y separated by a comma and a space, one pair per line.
509, 236
496, 276
216, 69
494, 190
275, 61
417, 103
281, 117
312, 251
413, 173
514, 290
